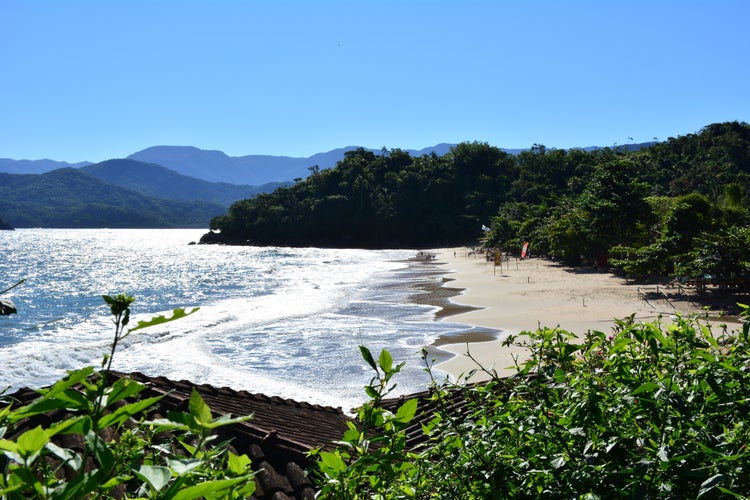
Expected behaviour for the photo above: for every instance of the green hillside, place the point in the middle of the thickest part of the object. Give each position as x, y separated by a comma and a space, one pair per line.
678, 207
70, 198
160, 182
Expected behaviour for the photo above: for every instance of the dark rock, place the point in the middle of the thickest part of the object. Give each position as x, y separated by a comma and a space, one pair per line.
7, 307
211, 238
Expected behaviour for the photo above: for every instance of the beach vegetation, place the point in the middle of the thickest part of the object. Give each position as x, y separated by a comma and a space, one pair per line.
372, 460
92, 435
651, 410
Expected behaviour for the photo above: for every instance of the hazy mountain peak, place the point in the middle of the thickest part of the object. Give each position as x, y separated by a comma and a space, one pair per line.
217, 166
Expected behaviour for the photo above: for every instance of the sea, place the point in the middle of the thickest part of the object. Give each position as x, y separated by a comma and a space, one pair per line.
280, 321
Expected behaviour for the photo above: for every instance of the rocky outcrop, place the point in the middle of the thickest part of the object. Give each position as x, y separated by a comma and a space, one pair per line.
7, 307
216, 238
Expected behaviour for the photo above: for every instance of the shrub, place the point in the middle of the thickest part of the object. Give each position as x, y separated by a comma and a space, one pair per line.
372, 460
653, 410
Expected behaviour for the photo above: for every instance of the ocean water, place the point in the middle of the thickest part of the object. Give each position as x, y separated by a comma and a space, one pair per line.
272, 320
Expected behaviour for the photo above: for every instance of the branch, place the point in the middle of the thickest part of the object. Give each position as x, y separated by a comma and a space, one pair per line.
12, 287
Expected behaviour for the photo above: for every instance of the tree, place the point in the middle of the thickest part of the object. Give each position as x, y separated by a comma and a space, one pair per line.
722, 257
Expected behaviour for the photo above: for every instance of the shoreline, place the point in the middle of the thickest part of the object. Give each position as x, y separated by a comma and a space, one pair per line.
527, 294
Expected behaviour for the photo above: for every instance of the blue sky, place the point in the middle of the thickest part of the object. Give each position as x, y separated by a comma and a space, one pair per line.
93, 80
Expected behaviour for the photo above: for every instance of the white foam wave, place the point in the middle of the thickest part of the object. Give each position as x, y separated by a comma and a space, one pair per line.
281, 321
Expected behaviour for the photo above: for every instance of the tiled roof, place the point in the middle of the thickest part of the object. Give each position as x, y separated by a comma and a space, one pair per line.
276, 439
299, 426
282, 431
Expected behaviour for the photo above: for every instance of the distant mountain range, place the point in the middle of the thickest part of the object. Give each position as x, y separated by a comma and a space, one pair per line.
216, 166
10, 166
161, 186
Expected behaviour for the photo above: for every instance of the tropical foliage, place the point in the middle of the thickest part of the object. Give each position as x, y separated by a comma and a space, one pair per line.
648, 209
651, 411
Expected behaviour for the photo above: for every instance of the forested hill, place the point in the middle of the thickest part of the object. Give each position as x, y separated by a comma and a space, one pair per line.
160, 182
572, 204
70, 198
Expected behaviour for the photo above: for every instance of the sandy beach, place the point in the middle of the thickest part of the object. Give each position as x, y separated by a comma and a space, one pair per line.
522, 295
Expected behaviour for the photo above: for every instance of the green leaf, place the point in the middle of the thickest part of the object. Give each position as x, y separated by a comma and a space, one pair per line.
715, 386
351, 436
199, 410
621, 343
32, 441
174, 421
73, 400
646, 387
80, 486
209, 489
4, 492
183, 465
239, 464
367, 355
558, 462
79, 425
386, 361
333, 463
123, 388
155, 475
65, 455
120, 415
112, 482
710, 483
223, 420
160, 320
711, 340
37, 407
103, 454
406, 411
703, 355
8, 445
664, 341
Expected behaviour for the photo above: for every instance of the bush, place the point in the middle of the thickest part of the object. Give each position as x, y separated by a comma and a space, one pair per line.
651, 411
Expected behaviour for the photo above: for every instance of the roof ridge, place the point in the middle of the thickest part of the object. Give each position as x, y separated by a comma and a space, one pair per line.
171, 383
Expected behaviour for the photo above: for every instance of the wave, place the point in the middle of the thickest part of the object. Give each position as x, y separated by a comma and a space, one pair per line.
281, 321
